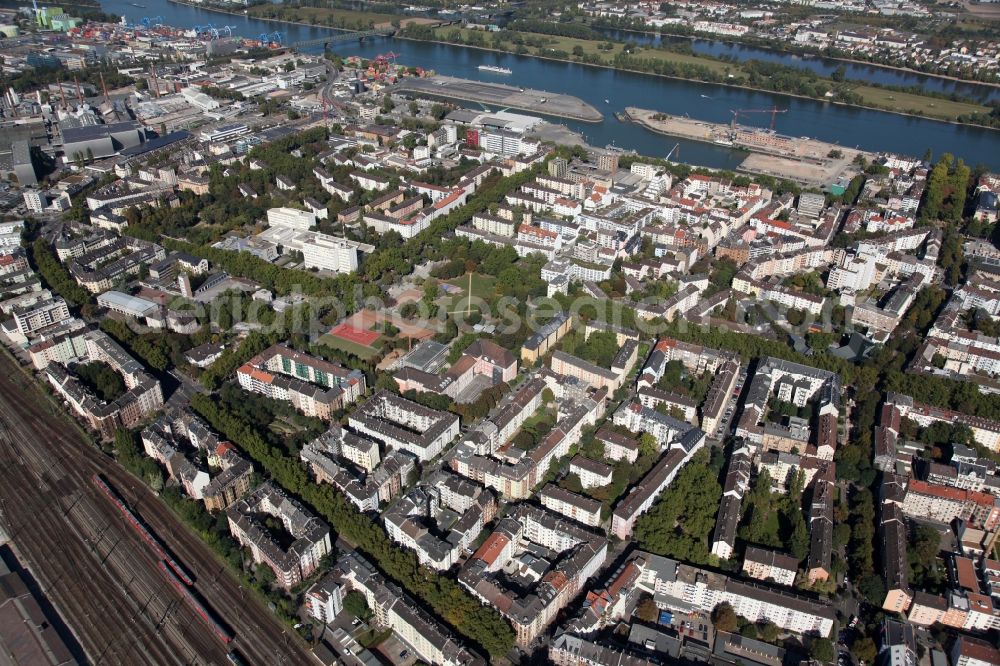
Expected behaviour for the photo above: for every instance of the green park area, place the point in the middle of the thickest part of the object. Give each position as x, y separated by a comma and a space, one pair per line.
335, 18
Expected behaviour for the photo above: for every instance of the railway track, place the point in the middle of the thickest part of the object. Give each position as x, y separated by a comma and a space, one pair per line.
85, 580
47, 467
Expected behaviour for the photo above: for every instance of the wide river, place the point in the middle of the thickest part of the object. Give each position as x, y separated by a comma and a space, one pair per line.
611, 91
853, 71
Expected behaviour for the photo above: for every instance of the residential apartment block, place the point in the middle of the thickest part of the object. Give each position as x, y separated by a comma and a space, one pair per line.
314, 386
290, 564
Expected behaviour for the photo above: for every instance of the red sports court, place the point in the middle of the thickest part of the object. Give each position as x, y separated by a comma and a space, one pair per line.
352, 334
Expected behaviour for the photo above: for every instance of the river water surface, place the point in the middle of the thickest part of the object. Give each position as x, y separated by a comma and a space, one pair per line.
611, 91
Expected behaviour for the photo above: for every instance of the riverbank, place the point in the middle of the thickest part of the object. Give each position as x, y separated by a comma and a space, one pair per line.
683, 66
803, 52
902, 97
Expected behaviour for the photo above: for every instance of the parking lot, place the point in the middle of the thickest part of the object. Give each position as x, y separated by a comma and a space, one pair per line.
395, 651
725, 425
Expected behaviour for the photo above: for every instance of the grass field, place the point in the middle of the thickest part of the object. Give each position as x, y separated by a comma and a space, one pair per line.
907, 102
589, 47
335, 18
362, 352
483, 286
872, 96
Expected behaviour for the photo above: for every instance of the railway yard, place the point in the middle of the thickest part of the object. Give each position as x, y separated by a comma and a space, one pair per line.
107, 583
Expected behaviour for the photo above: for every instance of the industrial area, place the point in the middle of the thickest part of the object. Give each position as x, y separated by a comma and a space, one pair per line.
800, 159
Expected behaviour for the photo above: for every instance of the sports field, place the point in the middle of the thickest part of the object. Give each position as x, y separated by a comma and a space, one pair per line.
353, 334
358, 341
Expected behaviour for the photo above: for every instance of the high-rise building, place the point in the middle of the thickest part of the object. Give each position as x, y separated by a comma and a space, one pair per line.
558, 167
607, 161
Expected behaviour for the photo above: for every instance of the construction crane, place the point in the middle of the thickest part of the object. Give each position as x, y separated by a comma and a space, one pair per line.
774, 111
676, 149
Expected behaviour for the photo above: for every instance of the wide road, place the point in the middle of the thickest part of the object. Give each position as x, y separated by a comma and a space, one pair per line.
93, 566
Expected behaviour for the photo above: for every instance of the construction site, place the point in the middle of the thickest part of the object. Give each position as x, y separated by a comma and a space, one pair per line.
801, 159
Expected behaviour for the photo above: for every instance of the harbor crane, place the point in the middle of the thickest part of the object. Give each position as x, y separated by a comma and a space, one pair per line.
676, 149
273, 38
774, 111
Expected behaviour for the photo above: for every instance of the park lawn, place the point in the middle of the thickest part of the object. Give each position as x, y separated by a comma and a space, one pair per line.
361, 351
335, 18
589, 46
721, 68
483, 286
907, 102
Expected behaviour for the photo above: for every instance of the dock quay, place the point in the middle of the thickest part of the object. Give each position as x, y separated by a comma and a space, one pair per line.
502, 96
799, 159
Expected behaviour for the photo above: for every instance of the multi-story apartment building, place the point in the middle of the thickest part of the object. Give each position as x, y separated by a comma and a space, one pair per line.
403, 424
617, 446
62, 347
731, 508
142, 392
311, 535
179, 440
819, 562
598, 377
572, 505
682, 587
394, 609
441, 519
681, 441
325, 599
764, 564
944, 504
592, 473
893, 537
292, 218
530, 611
232, 482
30, 319
547, 335
367, 491
476, 457
491, 224
899, 645
969, 651
314, 386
